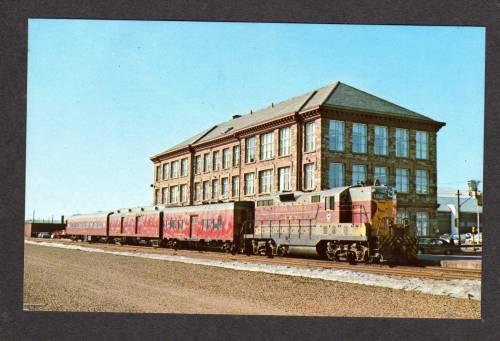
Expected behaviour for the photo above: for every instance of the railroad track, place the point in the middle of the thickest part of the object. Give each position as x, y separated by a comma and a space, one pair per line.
400, 271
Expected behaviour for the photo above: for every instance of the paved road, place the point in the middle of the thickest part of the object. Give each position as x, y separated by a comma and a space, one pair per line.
70, 280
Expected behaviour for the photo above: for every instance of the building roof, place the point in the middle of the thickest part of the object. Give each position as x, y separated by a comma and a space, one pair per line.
336, 96
468, 206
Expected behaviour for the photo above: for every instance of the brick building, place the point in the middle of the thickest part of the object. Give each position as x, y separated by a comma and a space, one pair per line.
330, 137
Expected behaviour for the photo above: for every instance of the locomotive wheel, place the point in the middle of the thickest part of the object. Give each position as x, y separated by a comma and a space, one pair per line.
233, 249
366, 257
351, 257
255, 250
281, 251
331, 256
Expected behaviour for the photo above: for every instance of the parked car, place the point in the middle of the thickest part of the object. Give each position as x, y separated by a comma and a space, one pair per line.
44, 235
435, 246
57, 234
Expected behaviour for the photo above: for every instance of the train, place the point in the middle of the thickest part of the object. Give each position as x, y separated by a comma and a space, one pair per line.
352, 223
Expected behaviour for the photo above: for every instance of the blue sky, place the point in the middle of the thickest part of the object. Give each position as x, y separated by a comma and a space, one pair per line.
103, 96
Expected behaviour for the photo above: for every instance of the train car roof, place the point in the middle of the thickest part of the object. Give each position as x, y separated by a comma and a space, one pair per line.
101, 215
204, 207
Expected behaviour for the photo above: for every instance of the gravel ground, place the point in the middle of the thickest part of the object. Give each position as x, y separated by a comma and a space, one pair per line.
70, 280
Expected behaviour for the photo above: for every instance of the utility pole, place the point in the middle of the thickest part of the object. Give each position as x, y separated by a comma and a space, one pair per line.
458, 218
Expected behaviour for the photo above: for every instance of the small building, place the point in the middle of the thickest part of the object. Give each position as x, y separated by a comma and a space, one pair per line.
33, 227
329, 137
447, 214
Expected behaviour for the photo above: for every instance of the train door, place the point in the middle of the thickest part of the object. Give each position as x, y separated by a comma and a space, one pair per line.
193, 227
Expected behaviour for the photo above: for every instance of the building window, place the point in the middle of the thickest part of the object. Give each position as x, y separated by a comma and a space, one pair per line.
206, 189
157, 196
250, 149
197, 164
381, 175
184, 168
165, 171
309, 176
359, 138
236, 156
265, 181
335, 175
381, 141
285, 141
336, 133
422, 223
358, 174
197, 191
422, 138
266, 146
309, 137
249, 183
401, 142
216, 160
164, 195
225, 158
173, 194
206, 162
183, 193
284, 179
401, 216
224, 187
402, 180
236, 186
422, 181
174, 172
215, 189
157, 173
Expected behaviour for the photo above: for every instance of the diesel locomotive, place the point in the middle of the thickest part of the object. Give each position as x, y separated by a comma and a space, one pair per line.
354, 223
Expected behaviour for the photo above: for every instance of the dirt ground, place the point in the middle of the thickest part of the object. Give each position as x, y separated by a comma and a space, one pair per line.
72, 280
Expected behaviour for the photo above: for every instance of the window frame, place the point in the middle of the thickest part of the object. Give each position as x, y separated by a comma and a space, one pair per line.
309, 178
359, 138
284, 179
215, 189
206, 163
285, 141
235, 190
342, 174
309, 136
355, 170
215, 160
407, 171
377, 139
267, 185
250, 149
419, 149
247, 190
419, 189
266, 146
236, 156
386, 174
336, 134
405, 139
226, 158
184, 167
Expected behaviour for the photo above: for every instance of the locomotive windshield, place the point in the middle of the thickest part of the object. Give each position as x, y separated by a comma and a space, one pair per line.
382, 193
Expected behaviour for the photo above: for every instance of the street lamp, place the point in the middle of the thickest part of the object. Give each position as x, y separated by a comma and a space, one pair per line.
473, 192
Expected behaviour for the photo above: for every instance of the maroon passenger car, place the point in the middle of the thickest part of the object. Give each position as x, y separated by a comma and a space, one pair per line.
88, 226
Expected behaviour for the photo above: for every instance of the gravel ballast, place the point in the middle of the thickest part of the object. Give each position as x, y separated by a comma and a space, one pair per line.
72, 280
